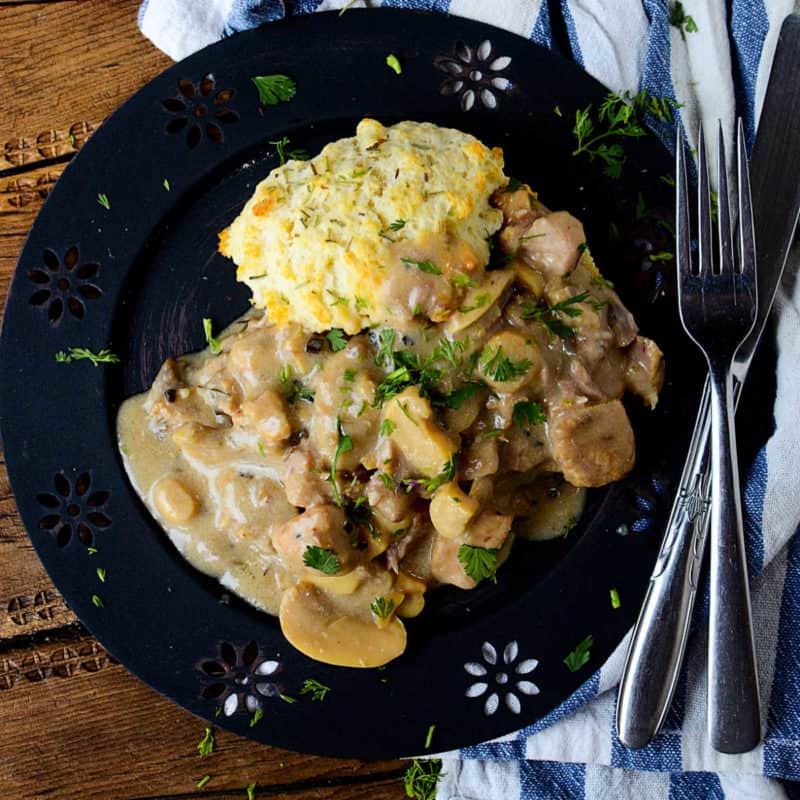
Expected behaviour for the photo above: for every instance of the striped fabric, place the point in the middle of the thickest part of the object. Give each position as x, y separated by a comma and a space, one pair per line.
716, 72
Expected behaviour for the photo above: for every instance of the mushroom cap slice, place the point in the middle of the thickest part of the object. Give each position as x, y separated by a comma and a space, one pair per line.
324, 630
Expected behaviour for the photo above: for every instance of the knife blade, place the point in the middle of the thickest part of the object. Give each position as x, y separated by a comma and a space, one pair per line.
655, 653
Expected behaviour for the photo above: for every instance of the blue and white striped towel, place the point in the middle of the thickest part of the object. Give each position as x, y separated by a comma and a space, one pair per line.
716, 72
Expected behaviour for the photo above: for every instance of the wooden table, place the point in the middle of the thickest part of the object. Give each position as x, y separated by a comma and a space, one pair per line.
76, 725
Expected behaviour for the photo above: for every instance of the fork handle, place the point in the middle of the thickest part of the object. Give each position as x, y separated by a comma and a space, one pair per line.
658, 642
734, 719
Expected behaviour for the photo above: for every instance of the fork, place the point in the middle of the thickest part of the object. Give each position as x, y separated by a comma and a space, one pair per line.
718, 310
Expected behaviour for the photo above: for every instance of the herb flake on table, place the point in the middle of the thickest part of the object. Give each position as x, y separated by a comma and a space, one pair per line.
615, 601
103, 200
203, 781
423, 266
97, 601
393, 62
166, 186
503, 369
101, 574
287, 698
257, 716
78, 353
213, 343
274, 89
421, 778
321, 559
316, 689
479, 562
251, 791
429, 737
580, 655
206, 745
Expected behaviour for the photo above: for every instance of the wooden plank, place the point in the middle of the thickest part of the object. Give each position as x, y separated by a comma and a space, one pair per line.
76, 724
64, 67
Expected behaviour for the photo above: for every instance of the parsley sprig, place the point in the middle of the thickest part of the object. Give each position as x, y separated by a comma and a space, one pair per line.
432, 484
274, 89
206, 745
382, 607
77, 353
423, 266
478, 562
421, 778
679, 19
214, 344
548, 315
336, 339
316, 689
344, 445
580, 655
503, 369
321, 559
284, 155
528, 412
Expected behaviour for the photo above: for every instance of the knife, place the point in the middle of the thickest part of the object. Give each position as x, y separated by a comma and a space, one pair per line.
658, 642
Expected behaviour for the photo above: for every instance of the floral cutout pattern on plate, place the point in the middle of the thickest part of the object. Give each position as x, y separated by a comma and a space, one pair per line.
501, 678
195, 110
63, 284
73, 510
475, 75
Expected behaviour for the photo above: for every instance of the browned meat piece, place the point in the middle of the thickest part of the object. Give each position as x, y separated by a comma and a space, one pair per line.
554, 242
399, 548
645, 371
621, 321
480, 459
393, 504
320, 526
167, 382
445, 566
490, 530
524, 449
303, 485
520, 208
592, 444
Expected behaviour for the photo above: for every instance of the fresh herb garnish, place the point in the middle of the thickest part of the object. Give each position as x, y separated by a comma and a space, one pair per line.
101, 574
274, 89
91, 550
384, 357
548, 315
349, 375
504, 369
206, 745
478, 562
679, 19
284, 155
387, 426
316, 689
97, 601
461, 281
615, 601
410, 370
557, 112
393, 62
601, 282
251, 791
103, 200
285, 375
256, 718
166, 184
203, 781
336, 339
662, 255
287, 698
423, 266
213, 343
512, 185
456, 398
580, 655
397, 225
429, 737
297, 390
77, 353
344, 445
449, 351
421, 778
321, 559
432, 484
480, 301
361, 303
386, 479
382, 607
528, 412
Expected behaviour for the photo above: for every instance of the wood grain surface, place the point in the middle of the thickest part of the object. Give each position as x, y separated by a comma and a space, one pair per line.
76, 725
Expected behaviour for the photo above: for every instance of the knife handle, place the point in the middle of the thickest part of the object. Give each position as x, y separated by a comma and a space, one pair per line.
658, 642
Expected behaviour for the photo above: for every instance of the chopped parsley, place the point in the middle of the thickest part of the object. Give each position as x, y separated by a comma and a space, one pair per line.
166, 184
349, 375
251, 791
421, 778
456, 398
395, 226
478, 562
432, 484
284, 155
287, 698
663, 255
78, 353
601, 282
393, 62
423, 266
91, 550
615, 601
336, 339
461, 281
203, 781
387, 426
679, 19
480, 301
103, 200
361, 303
297, 390
548, 315
528, 412
580, 655
97, 601
101, 574
504, 369
285, 374
321, 559
206, 745
410, 370
512, 185
316, 689
256, 718
386, 479
213, 343
384, 356
449, 351
429, 737
274, 89
344, 445
382, 607
557, 112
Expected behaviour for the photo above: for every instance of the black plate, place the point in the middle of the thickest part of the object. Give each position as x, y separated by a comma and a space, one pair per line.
140, 276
